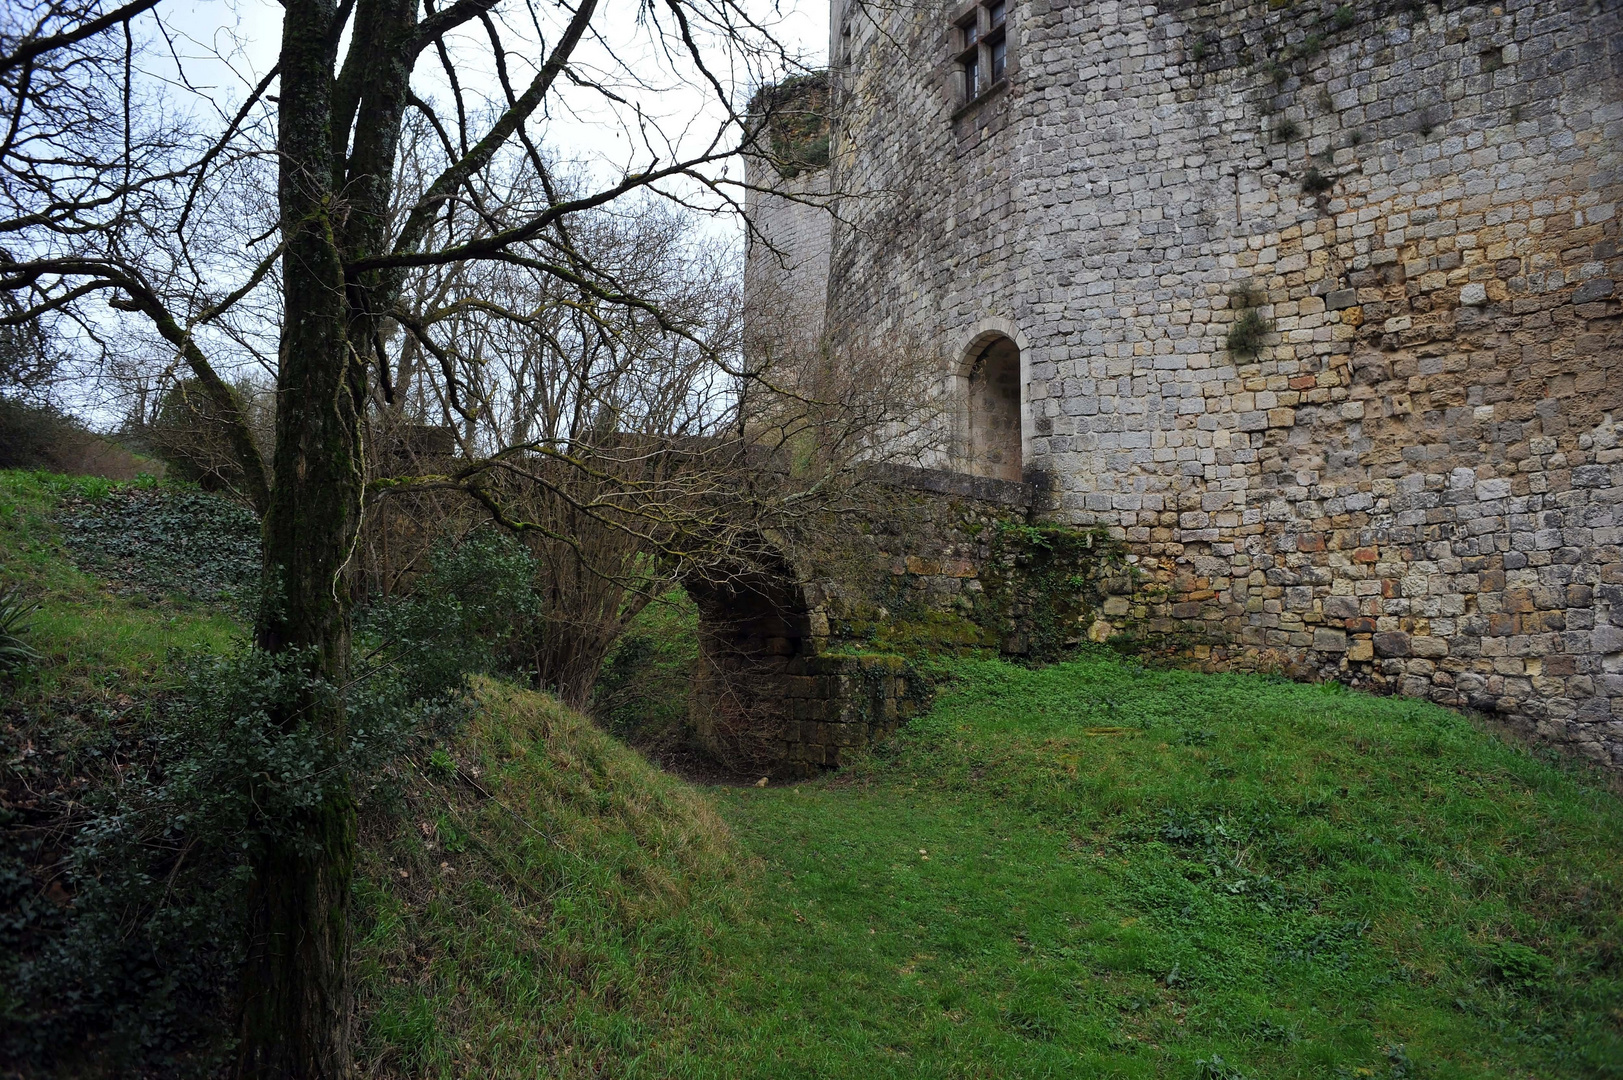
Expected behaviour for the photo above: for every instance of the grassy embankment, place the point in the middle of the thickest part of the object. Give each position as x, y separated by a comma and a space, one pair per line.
1089, 869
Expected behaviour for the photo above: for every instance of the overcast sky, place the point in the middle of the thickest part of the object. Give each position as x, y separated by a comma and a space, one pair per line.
246, 34
224, 47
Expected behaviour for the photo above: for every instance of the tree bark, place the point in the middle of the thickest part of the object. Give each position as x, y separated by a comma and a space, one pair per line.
296, 993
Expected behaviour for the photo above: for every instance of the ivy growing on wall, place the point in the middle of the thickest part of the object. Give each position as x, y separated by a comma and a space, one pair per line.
1043, 582
795, 112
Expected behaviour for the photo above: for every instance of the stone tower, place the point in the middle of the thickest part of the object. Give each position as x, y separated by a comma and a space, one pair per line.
1312, 304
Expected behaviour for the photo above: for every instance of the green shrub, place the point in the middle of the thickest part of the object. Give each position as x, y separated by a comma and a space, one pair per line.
645, 687
465, 615
1245, 336
1515, 964
124, 886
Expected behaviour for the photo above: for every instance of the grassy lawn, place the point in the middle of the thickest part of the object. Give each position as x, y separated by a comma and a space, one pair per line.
1091, 869
1099, 870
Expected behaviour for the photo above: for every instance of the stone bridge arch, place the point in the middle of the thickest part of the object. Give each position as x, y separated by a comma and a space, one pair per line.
799, 663
768, 694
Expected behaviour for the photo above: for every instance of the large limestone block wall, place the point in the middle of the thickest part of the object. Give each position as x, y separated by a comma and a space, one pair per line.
1416, 482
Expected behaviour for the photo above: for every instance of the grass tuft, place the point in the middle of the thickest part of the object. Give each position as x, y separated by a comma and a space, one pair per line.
1246, 336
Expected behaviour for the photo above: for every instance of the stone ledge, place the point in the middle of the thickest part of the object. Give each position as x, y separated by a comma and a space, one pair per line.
946, 482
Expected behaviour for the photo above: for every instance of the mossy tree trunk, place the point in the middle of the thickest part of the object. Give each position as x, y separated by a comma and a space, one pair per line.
296, 1001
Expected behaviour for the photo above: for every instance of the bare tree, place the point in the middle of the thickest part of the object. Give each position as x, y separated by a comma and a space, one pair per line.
585, 426
286, 231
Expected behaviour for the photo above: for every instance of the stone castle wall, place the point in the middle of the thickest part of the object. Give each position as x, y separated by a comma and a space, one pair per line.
1415, 483
786, 261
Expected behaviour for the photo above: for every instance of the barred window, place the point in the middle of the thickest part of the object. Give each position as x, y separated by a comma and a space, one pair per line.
983, 47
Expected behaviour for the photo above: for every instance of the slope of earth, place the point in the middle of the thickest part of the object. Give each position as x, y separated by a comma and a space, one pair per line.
1091, 869
531, 894
536, 900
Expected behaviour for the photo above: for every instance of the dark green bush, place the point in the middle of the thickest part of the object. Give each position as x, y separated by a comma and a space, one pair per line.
645, 686
463, 616
37, 436
123, 886
191, 434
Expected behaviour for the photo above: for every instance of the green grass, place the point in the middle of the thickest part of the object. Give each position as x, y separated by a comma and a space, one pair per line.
1091, 869
536, 900
1096, 869
97, 644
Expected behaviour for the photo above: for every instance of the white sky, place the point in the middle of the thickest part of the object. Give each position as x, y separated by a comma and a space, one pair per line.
247, 34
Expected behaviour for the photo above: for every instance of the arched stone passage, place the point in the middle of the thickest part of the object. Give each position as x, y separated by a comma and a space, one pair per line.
752, 630
766, 699
994, 409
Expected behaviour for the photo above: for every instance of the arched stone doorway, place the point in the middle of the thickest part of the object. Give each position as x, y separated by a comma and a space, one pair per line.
753, 628
993, 436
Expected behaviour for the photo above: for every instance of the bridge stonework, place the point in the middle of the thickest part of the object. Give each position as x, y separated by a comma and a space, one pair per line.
807, 662
1409, 475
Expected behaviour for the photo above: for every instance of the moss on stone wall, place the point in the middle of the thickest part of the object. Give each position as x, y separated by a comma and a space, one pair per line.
930, 575
796, 115
1045, 583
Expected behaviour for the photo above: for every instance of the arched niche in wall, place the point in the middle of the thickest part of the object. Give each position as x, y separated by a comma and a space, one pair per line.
991, 443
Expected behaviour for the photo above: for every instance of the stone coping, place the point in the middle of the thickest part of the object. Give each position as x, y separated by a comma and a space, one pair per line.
946, 482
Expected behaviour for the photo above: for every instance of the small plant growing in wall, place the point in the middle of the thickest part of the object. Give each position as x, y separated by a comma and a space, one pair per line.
1344, 17
1197, 51
1286, 130
1245, 336
1316, 183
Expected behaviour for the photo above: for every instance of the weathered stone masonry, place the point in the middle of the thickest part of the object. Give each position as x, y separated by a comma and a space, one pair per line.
1416, 483
803, 663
